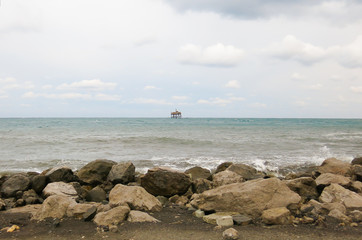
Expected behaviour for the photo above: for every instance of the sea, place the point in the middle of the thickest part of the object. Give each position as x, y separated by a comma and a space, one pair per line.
278, 145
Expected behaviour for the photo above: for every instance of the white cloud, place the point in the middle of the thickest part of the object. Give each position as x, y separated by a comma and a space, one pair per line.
297, 76
292, 48
180, 97
220, 101
144, 41
57, 96
233, 84
150, 88
7, 80
46, 87
151, 101
90, 85
300, 103
356, 89
349, 55
218, 55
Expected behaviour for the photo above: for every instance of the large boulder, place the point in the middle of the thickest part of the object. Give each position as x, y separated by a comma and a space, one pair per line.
135, 197
326, 179
357, 161
335, 166
97, 194
248, 198
201, 185
77, 210
111, 217
198, 172
95, 172
226, 177
165, 182
245, 171
15, 183
357, 172
55, 206
60, 174
336, 193
60, 188
38, 183
223, 166
122, 173
304, 186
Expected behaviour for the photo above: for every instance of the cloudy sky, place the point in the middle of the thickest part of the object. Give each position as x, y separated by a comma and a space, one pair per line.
207, 58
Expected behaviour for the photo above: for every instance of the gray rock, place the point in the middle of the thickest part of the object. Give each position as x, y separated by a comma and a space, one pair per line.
15, 183
201, 185
165, 182
163, 200
223, 167
31, 197
357, 161
212, 218
305, 186
122, 173
90, 214
242, 220
245, 171
97, 194
38, 183
198, 172
60, 174
95, 172
225, 221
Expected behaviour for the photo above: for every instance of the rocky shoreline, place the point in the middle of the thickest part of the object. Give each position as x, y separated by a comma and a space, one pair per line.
110, 193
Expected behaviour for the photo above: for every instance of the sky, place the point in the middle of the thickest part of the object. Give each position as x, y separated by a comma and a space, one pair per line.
205, 58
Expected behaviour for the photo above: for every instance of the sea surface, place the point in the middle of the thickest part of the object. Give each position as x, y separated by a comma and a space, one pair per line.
36, 144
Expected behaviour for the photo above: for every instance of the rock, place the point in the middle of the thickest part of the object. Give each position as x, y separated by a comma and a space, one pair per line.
305, 186
20, 202
77, 210
336, 193
103, 208
226, 177
179, 200
199, 213
201, 185
138, 216
198, 172
356, 186
163, 200
90, 214
248, 198
97, 194
357, 161
245, 171
31, 197
135, 197
212, 218
225, 221
326, 179
55, 206
60, 188
2, 205
38, 183
95, 172
15, 183
230, 234
356, 215
165, 182
277, 216
81, 190
326, 208
60, 174
122, 173
223, 167
112, 217
242, 220
339, 216
357, 172
332, 165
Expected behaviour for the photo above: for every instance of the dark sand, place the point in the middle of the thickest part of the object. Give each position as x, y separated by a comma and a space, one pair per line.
176, 223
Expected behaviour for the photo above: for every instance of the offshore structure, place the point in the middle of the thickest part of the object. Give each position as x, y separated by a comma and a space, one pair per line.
176, 114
